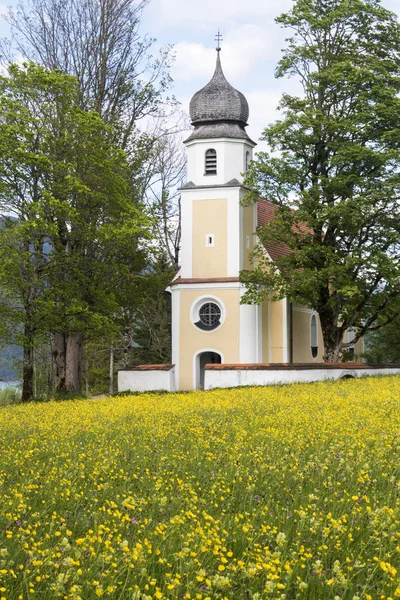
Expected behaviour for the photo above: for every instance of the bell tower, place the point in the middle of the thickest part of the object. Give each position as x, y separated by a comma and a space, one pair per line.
208, 322
218, 151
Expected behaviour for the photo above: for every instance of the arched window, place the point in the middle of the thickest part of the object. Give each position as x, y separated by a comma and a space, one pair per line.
247, 160
211, 162
314, 336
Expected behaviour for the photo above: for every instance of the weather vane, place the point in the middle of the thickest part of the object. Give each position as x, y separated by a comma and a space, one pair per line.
218, 39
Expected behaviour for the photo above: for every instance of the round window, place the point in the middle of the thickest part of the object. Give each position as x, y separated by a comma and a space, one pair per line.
209, 316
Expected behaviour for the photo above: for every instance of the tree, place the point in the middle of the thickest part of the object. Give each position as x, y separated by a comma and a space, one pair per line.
152, 331
23, 298
383, 345
76, 231
97, 41
167, 170
333, 170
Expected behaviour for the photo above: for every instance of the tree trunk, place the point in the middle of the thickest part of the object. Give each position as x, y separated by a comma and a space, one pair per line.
87, 385
111, 373
73, 372
333, 337
59, 354
27, 369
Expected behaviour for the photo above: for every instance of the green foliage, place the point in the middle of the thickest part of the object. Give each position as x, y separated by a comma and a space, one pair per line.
78, 232
333, 169
64, 395
144, 330
383, 345
10, 395
152, 329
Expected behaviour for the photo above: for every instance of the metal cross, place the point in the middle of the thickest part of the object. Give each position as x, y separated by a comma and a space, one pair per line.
218, 39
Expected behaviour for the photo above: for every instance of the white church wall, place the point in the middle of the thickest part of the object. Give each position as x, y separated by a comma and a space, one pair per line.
175, 331
147, 379
186, 233
231, 160
237, 376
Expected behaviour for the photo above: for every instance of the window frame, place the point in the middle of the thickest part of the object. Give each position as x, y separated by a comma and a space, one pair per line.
211, 168
314, 347
196, 306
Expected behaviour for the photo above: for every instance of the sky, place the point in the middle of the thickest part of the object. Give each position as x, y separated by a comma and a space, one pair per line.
251, 47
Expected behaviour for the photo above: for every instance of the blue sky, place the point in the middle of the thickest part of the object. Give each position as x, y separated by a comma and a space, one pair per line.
250, 50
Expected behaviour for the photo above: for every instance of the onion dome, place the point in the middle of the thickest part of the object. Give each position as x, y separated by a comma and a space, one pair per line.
218, 109
219, 101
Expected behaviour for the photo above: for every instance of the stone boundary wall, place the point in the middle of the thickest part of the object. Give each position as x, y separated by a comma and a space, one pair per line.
226, 376
147, 378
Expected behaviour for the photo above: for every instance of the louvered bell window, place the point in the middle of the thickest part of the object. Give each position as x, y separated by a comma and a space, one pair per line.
211, 162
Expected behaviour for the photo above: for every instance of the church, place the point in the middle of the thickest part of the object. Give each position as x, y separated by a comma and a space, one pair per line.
210, 326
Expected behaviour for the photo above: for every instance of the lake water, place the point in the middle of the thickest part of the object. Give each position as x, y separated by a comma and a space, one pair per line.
4, 384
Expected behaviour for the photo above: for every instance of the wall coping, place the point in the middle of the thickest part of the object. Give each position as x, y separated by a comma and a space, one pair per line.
297, 366
179, 280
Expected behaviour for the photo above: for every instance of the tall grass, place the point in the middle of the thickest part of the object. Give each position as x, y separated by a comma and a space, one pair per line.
10, 395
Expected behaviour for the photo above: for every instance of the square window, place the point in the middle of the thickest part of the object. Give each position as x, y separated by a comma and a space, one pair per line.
209, 240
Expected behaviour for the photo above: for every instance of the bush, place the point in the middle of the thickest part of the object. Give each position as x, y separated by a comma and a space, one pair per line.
10, 395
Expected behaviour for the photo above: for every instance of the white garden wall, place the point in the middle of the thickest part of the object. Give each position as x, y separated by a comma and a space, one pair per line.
147, 378
224, 376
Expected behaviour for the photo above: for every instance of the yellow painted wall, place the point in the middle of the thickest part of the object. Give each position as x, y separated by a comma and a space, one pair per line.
248, 230
302, 339
191, 339
276, 323
359, 347
210, 217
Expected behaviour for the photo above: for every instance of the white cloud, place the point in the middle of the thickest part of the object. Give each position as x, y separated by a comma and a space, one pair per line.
242, 48
192, 60
221, 13
263, 110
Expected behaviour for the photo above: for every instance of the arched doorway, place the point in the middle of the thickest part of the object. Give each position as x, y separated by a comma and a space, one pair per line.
204, 358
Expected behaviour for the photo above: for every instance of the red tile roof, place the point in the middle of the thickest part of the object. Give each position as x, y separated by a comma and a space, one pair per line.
266, 212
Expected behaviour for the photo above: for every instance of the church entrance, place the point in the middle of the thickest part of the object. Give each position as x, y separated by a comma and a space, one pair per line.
203, 359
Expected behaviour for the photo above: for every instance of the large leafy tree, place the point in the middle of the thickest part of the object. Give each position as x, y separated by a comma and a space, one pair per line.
101, 43
333, 169
74, 238
383, 345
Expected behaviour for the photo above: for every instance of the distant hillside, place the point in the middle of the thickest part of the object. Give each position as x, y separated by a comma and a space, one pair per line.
10, 356
10, 363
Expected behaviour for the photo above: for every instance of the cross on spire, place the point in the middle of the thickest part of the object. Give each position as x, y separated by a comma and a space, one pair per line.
218, 38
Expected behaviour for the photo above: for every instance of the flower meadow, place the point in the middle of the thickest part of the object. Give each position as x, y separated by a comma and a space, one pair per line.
250, 494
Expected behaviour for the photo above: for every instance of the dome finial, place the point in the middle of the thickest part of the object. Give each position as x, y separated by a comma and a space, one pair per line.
218, 38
